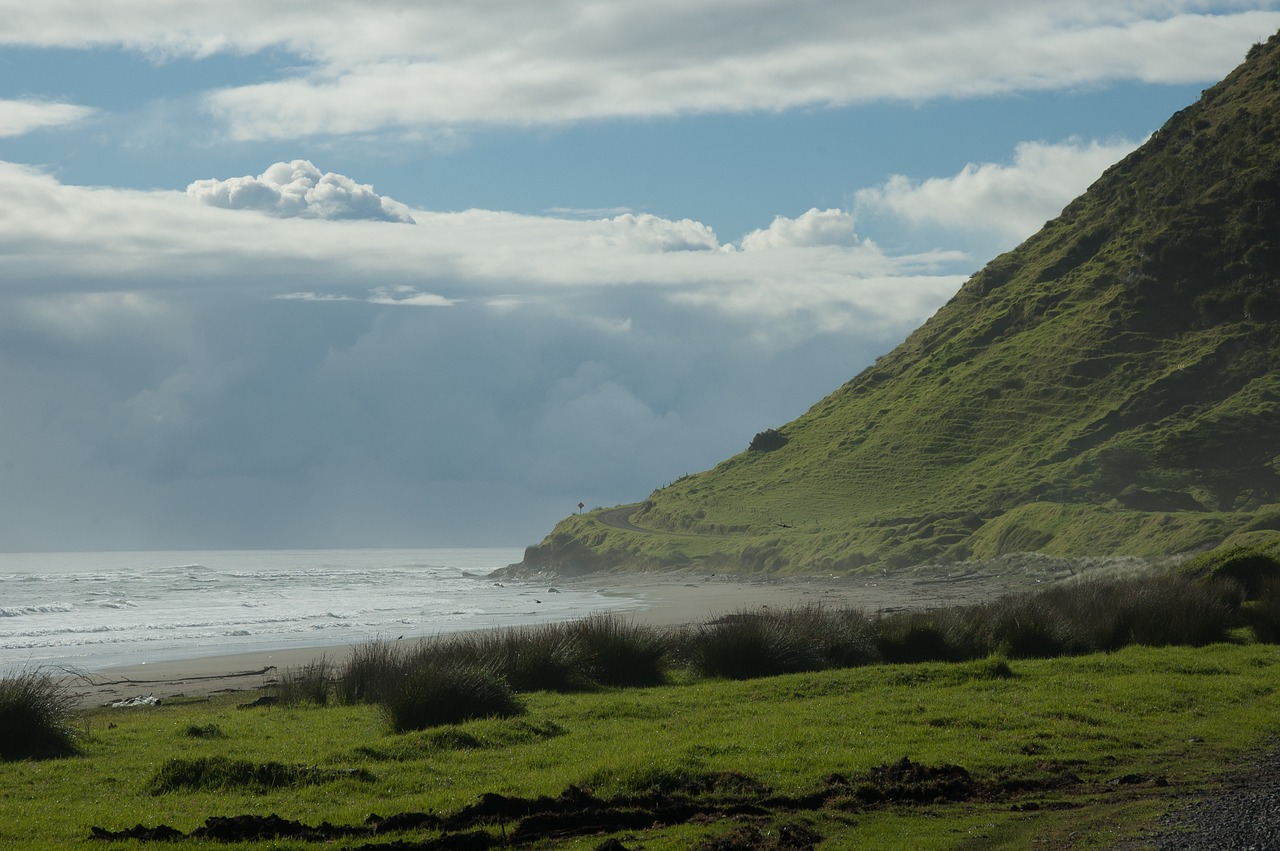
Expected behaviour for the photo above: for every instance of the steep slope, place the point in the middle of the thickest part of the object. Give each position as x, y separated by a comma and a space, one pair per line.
1110, 386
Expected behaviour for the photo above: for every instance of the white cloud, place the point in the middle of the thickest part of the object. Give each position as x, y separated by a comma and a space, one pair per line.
627, 59
398, 296
652, 233
367, 66
408, 297
19, 117
72, 236
997, 203
815, 227
298, 188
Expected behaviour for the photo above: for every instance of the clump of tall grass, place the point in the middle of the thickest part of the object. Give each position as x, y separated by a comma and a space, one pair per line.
427, 685
597, 650
220, 773
1263, 614
433, 693
1069, 619
766, 642
482, 670
309, 683
36, 713
913, 637
367, 673
617, 652
543, 658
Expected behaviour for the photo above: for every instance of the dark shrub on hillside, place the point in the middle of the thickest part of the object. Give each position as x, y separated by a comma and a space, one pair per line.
36, 710
1251, 567
616, 652
435, 694
768, 440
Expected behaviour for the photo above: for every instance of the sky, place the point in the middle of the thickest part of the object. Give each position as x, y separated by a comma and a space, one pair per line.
399, 273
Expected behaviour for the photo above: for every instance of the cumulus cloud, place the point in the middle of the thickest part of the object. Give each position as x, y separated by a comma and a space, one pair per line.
815, 227
69, 235
300, 189
19, 117
366, 66
648, 232
1000, 202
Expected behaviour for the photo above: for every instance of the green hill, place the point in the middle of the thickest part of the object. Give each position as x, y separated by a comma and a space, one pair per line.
1111, 386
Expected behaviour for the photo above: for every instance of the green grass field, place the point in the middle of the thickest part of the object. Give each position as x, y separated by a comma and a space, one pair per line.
1043, 750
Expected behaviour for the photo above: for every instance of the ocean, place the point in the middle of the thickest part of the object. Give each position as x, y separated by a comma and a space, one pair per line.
94, 610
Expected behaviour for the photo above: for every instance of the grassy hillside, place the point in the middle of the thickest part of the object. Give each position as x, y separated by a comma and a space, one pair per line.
1111, 386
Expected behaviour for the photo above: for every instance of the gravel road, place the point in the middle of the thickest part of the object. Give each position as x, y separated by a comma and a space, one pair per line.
1243, 815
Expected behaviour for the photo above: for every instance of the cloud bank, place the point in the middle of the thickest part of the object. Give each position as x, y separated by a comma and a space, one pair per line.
362, 66
300, 189
180, 374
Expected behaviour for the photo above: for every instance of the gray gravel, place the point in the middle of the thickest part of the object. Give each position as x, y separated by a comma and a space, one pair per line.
1242, 815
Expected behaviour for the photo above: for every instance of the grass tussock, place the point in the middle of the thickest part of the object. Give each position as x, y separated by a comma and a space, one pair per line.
220, 774
433, 694
1263, 614
617, 652
36, 713
477, 675
766, 642
310, 683
450, 679
1069, 619
204, 731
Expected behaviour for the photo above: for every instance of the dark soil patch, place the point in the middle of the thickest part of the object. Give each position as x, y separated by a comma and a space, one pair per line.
761, 820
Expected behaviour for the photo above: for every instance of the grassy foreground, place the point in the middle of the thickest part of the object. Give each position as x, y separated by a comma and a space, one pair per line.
1070, 752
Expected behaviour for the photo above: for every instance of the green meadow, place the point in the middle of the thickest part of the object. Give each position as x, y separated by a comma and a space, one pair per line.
1071, 752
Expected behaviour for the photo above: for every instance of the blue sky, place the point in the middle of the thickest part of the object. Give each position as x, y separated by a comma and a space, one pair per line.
404, 274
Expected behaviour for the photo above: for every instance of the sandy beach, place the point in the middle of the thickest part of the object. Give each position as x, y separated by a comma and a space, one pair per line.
670, 599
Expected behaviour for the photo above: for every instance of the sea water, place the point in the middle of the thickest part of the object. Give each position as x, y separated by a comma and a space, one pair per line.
95, 610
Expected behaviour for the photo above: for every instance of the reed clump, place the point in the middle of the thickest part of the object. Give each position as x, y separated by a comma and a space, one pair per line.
447, 679
36, 716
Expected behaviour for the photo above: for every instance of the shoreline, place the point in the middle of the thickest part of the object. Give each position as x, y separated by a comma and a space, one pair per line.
668, 599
